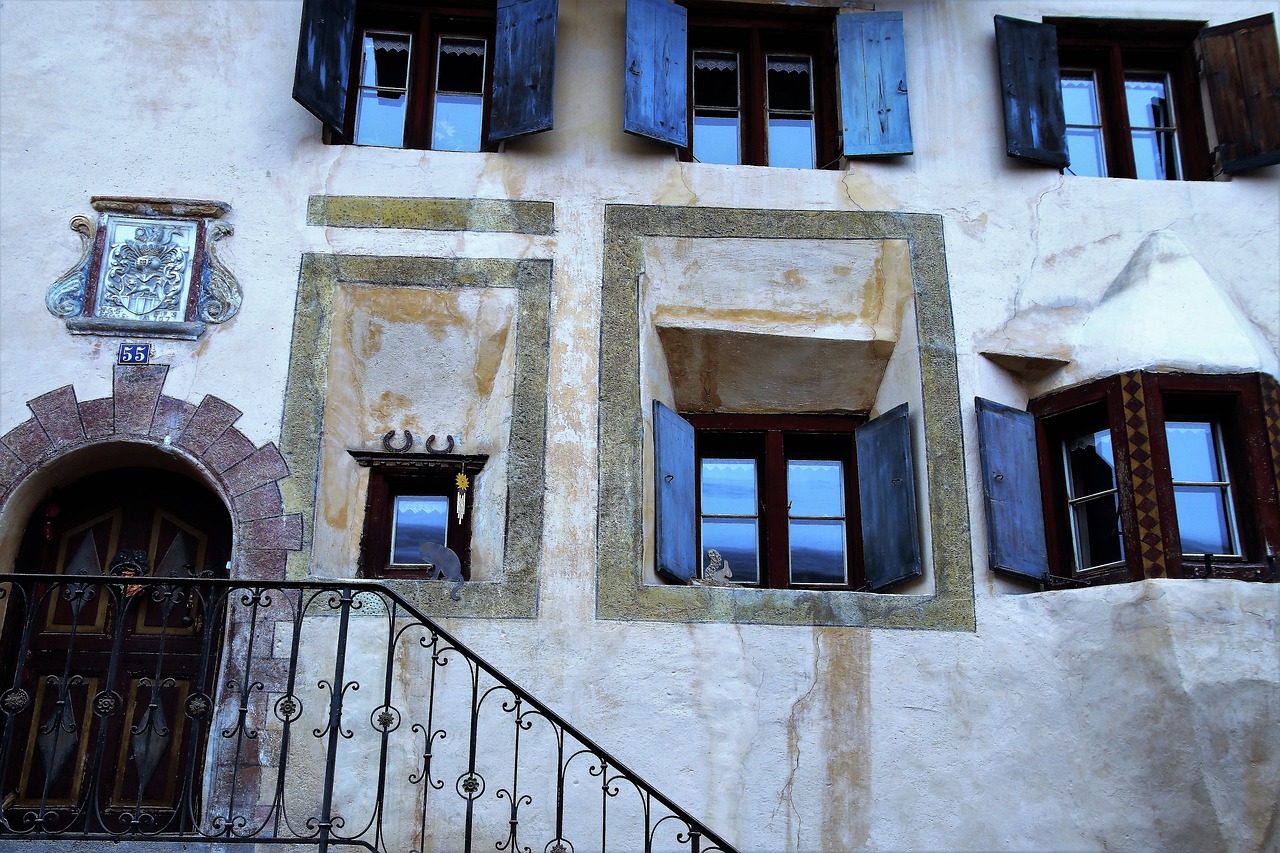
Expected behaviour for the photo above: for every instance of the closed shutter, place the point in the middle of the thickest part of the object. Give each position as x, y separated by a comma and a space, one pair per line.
676, 508
1242, 69
1034, 124
887, 492
325, 42
524, 64
1011, 491
655, 98
873, 83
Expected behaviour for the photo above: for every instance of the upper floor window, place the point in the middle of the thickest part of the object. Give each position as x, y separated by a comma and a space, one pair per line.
1121, 98
461, 77
797, 88
786, 501
1136, 476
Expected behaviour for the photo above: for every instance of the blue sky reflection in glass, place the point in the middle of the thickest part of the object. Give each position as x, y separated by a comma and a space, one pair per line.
730, 521
417, 519
816, 521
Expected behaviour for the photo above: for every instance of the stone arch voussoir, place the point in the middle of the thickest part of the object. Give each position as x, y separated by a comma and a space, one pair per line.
137, 411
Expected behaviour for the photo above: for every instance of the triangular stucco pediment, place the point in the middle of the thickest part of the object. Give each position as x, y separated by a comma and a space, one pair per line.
1163, 312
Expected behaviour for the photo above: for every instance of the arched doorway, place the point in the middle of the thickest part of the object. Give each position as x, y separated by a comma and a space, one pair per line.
106, 686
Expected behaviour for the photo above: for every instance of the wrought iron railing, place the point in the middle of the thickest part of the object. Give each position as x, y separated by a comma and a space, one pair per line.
320, 714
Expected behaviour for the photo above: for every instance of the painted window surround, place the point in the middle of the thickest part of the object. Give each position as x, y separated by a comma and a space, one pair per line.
621, 592
515, 593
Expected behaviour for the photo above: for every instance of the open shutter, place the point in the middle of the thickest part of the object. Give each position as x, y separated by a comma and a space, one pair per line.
524, 64
1035, 127
1011, 491
655, 100
1242, 69
676, 507
325, 42
873, 83
887, 491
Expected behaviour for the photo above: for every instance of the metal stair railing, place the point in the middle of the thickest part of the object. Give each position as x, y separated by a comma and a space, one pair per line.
325, 714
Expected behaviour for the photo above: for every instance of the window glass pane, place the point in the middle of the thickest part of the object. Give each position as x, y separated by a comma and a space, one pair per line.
380, 121
1096, 526
1155, 151
461, 66
815, 488
1202, 519
417, 519
1193, 454
384, 77
738, 542
1155, 155
1080, 100
456, 123
817, 551
790, 83
1084, 147
729, 487
791, 142
715, 80
715, 139
1090, 464
1148, 103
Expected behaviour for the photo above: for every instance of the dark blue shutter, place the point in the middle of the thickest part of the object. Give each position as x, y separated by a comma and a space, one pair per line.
524, 64
676, 508
887, 491
325, 41
873, 83
1011, 491
655, 98
1034, 125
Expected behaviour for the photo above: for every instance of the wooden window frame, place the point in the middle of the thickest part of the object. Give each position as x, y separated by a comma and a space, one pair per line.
1234, 402
427, 26
752, 38
773, 440
391, 478
1112, 48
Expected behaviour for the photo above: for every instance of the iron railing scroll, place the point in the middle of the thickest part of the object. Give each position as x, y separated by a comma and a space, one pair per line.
321, 714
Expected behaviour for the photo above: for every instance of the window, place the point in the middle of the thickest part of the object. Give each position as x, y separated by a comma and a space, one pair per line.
417, 507
1142, 475
797, 88
754, 98
461, 77
779, 501
1121, 98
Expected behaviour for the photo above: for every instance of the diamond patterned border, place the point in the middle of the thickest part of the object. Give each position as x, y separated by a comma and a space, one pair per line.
1142, 475
1271, 415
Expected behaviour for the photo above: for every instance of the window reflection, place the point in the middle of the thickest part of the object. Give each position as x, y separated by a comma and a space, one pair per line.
789, 101
1201, 488
816, 521
1093, 501
383, 98
417, 519
457, 117
730, 523
1084, 124
1154, 135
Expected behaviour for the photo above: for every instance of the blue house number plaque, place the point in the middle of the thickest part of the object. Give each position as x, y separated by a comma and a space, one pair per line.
134, 354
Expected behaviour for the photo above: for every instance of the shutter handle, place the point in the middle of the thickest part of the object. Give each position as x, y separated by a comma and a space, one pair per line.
902, 86
897, 481
668, 478
999, 477
632, 69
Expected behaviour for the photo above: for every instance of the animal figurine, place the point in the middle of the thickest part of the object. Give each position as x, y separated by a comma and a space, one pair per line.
444, 565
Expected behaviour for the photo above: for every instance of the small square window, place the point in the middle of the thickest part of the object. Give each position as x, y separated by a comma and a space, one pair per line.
417, 506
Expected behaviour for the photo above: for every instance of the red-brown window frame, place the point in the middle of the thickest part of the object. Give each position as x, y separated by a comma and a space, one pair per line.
388, 480
753, 37
427, 25
1233, 401
1110, 48
773, 440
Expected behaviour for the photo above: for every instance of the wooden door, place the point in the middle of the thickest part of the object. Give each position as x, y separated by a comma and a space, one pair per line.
116, 677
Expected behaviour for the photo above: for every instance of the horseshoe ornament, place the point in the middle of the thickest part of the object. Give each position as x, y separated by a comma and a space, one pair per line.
408, 442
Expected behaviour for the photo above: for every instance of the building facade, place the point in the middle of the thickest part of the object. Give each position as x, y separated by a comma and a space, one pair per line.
857, 422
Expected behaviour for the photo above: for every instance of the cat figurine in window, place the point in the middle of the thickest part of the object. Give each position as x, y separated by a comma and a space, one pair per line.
444, 564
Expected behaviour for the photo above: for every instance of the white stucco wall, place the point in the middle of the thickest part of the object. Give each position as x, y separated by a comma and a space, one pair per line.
1140, 716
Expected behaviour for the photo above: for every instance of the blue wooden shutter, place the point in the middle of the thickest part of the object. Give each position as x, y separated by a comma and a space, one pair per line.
655, 98
524, 64
887, 491
1242, 69
873, 83
325, 41
1035, 127
676, 507
1011, 491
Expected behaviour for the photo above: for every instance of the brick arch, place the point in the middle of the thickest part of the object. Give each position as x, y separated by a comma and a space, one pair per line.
138, 412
